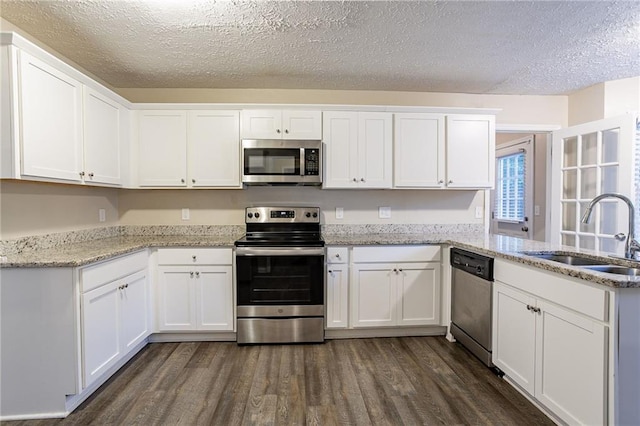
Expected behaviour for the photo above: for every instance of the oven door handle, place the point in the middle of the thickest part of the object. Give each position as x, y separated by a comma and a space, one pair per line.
280, 251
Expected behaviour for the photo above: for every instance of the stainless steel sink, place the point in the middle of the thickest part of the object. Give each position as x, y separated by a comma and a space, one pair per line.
567, 259
615, 269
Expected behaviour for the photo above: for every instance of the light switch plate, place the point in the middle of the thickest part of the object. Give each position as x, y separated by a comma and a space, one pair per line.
102, 215
339, 213
185, 214
536, 210
478, 212
384, 212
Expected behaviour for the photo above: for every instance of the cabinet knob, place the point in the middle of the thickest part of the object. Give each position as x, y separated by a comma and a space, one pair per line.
338, 255
91, 175
355, 180
395, 270
191, 274
193, 181
330, 271
286, 130
400, 270
182, 180
81, 174
277, 130
440, 181
450, 180
197, 274
362, 180
126, 286
194, 257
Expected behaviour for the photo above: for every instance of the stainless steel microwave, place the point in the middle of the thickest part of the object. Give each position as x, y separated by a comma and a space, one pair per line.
276, 161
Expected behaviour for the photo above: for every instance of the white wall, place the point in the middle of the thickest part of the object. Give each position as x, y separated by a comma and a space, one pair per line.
604, 100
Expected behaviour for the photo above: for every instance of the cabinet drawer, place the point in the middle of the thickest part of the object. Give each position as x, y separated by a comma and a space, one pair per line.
195, 256
396, 254
337, 254
570, 292
102, 273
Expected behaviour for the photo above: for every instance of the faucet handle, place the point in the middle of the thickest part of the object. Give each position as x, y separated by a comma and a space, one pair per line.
620, 236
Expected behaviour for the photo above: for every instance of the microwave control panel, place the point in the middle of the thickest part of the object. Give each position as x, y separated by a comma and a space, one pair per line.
311, 162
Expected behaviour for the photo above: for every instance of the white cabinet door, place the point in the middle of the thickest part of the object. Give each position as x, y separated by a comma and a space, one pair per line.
51, 121
261, 124
418, 293
571, 356
302, 124
340, 137
375, 163
470, 151
101, 138
337, 296
214, 298
162, 148
214, 148
419, 151
514, 337
373, 297
134, 310
101, 346
176, 310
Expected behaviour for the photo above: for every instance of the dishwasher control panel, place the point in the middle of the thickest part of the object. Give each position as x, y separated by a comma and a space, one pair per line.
472, 263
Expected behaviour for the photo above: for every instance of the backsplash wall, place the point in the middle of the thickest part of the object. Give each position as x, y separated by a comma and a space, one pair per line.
226, 207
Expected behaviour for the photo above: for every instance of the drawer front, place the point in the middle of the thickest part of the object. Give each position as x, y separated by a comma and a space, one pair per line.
195, 256
98, 274
337, 255
388, 254
563, 290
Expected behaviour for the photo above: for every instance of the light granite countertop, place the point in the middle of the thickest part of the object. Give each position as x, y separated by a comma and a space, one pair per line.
509, 248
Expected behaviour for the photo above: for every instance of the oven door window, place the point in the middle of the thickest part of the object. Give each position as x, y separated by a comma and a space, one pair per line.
271, 161
280, 280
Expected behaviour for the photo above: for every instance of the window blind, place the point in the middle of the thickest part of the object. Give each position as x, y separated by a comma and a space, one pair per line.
510, 187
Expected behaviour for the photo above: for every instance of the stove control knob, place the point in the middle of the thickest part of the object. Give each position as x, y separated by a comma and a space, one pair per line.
308, 214
257, 215
250, 215
315, 215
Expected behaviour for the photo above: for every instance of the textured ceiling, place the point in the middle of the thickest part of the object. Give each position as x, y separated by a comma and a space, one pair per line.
521, 47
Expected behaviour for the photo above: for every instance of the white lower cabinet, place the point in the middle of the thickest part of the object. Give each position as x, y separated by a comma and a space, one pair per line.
197, 296
395, 294
337, 300
115, 314
557, 355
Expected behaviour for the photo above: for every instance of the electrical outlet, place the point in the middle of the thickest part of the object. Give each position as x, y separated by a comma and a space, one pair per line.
185, 214
478, 212
384, 212
102, 215
536, 210
339, 213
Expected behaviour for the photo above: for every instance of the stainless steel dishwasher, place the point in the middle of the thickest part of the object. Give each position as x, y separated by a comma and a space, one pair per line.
471, 288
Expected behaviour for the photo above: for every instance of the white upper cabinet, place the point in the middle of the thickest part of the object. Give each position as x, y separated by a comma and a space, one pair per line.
162, 148
470, 151
50, 105
213, 139
281, 124
358, 148
102, 138
188, 149
419, 151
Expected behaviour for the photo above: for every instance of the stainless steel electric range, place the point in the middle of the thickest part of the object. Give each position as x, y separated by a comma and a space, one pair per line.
280, 276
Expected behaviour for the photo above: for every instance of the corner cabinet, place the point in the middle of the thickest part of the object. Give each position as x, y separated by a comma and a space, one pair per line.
551, 338
395, 286
358, 149
195, 289
444, 151
188, 148
281, 124
58, 126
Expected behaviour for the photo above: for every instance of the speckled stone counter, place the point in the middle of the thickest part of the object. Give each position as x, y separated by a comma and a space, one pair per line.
504, 247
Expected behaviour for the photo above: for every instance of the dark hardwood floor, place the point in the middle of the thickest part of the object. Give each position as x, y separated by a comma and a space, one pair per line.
410, 380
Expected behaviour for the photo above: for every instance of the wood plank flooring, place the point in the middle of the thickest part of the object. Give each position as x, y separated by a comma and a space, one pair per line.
392, 381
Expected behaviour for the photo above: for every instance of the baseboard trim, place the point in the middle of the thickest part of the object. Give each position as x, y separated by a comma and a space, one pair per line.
227, 336
360, 333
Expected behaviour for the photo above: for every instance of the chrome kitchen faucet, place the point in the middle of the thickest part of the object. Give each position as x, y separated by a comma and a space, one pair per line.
631, 246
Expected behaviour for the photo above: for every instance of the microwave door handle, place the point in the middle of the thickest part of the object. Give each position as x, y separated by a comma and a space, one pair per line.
303, 162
